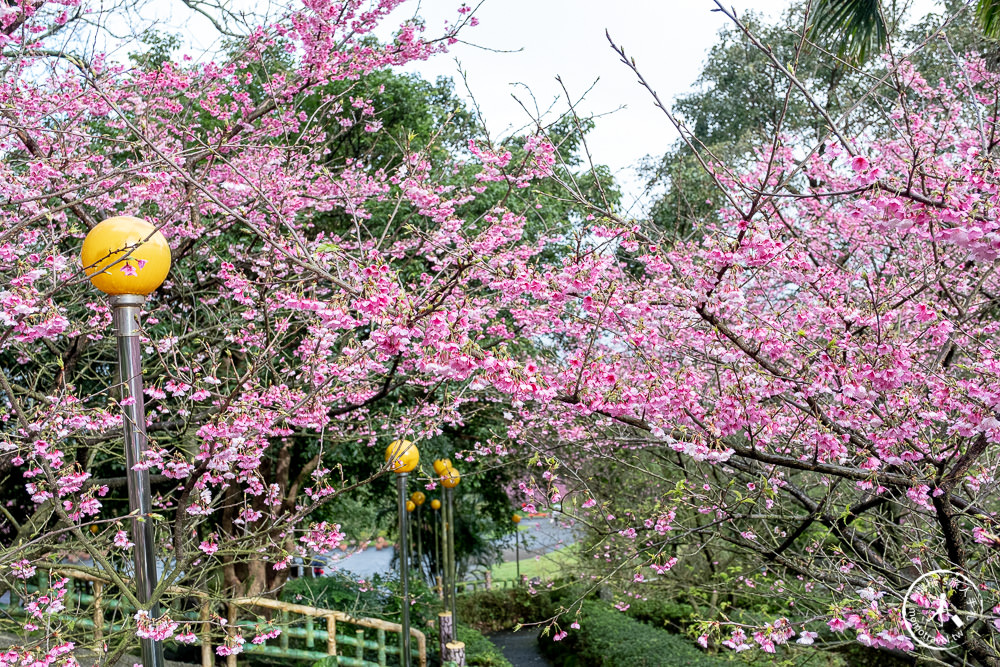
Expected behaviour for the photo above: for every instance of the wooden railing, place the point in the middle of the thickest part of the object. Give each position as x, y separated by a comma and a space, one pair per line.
100, 614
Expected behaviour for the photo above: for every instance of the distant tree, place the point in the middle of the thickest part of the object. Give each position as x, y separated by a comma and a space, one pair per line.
739, 101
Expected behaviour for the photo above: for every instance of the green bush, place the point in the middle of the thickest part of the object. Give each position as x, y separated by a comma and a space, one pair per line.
608, 638
496, 610
377, 597
662, 612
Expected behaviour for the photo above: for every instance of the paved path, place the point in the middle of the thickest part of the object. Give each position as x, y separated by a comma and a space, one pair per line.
520, 648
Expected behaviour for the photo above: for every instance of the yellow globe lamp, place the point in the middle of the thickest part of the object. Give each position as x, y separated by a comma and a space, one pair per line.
450, 478
410, 506
441, 465
435, 504
418, 497
125, 255
516, 518
402, 456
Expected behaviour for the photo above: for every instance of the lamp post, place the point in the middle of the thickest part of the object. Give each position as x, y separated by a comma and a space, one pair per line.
449, 480
441, 466
403, 457
410, 509
127, 258
517, 545
436, 505
418, 498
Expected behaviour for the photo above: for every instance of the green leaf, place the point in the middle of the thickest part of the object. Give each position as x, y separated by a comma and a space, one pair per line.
988, 15
856, 26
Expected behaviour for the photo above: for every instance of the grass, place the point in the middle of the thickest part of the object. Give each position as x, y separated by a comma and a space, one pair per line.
548, 566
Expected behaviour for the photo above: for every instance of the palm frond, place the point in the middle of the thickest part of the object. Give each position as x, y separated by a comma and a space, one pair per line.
855, 27
988, 15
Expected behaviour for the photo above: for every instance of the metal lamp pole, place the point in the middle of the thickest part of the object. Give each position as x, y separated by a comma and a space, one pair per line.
437, 570
419, 498
404, 568
517, 554
420, 542
403, 457
517, 546
449, 480
127, 258
449, 493
126, 320
446, 553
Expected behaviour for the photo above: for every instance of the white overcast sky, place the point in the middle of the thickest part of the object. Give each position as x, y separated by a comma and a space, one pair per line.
669, 40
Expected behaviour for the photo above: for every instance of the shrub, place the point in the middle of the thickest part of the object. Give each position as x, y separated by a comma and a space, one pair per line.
608, 638
492, 611
662, 612
377, 597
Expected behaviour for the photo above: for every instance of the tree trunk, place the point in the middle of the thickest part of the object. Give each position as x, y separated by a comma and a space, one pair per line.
455, 653
446, 631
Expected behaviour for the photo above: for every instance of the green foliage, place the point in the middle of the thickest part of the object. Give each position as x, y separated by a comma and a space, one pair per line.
858, 26
377, 597
853, 654
988, 15
482, 507
159, 47
496, 610
961, 35
480, 651
415, 115
609, 638
662, 612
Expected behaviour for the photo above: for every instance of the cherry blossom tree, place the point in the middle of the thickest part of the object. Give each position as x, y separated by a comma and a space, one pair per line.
801, 400
318, 301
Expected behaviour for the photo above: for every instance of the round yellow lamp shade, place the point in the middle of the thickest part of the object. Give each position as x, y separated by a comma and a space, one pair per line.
125, 255
402, 456
435, 504
516, 518
450, 478
418, 497
441, 465
410, 506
